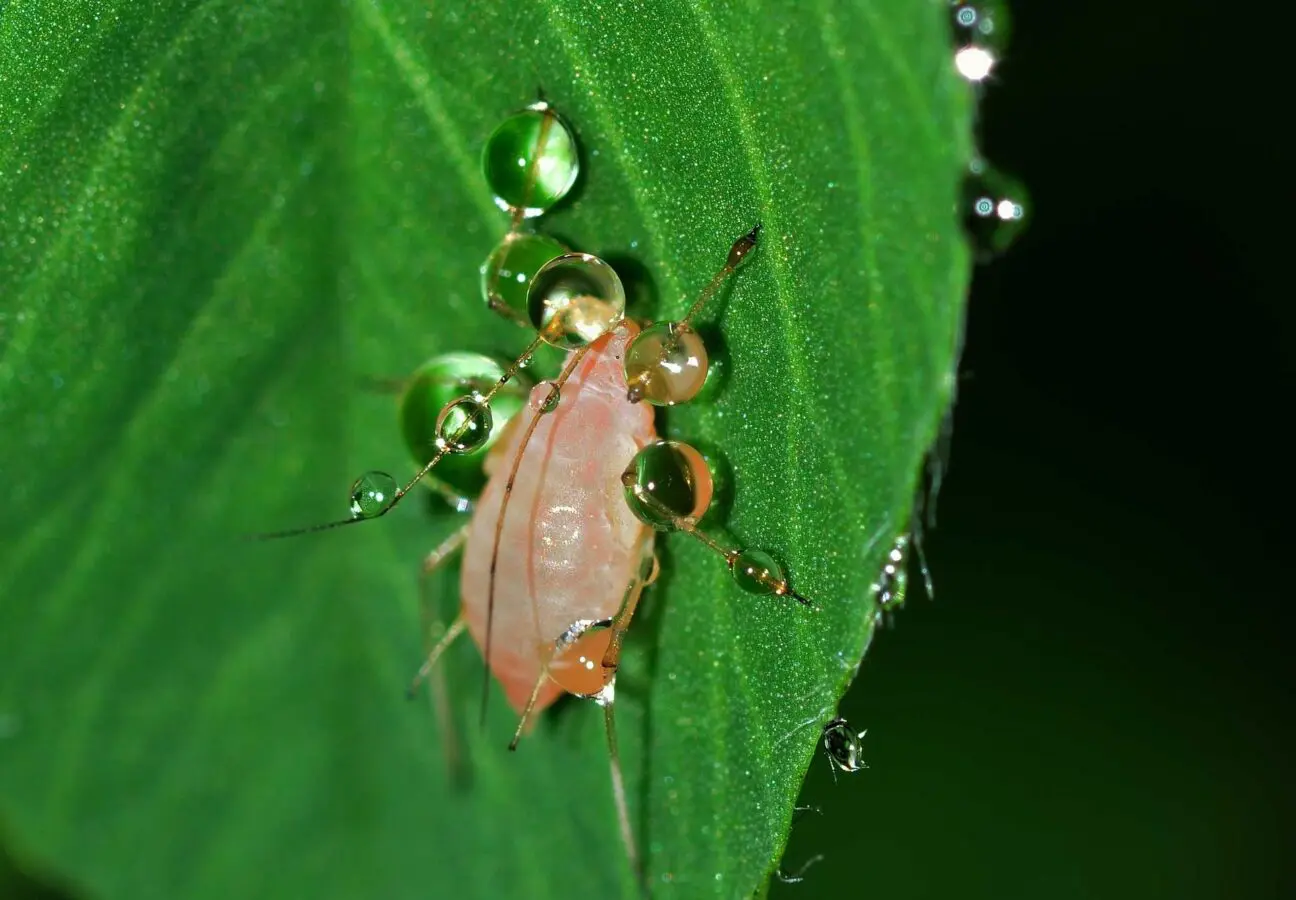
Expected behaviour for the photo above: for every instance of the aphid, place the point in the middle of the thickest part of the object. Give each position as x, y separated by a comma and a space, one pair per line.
842, 745
559, 546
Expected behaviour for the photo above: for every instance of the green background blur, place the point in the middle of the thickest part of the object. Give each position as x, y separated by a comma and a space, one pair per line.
1095, 705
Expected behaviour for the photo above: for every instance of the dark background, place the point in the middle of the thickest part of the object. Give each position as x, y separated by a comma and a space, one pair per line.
1094, 703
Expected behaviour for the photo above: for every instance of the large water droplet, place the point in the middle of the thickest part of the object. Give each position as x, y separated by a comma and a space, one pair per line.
371, 494
665, 364
439, 382
995, 210
530, 160
507, 273
667, 482
574, 300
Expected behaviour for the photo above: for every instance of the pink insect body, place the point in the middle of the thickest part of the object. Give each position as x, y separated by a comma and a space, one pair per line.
569, 543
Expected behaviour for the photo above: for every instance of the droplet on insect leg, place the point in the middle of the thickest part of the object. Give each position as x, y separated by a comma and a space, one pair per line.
436, 384
574, 300
509, 270
892, 582
668, 485
995, 210
464, 425
545, 397
371, 494
665, 364
578, 667
530, 160
756, 572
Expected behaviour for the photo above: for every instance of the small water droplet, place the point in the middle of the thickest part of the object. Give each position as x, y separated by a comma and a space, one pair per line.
892, 581
464, 425
980, 31
545, 397
995, 212
371, 494
756, 572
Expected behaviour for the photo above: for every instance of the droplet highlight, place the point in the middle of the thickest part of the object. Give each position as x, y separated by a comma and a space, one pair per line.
371, 494
531, 161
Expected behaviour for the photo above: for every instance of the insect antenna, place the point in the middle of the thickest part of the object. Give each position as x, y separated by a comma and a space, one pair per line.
548, 404
657, 374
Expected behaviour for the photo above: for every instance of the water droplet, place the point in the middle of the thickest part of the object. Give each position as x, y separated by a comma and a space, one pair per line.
464, 425
574, 300
893, 580
843, 746
436, 384
756, 572
995, 210
980, 37
507, 272
985, 23
530, 160
545, 397
665, 364
371, 494
667, 483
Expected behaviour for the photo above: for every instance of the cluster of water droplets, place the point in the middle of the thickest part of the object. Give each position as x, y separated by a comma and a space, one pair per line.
993, 206
980, 37
455, 406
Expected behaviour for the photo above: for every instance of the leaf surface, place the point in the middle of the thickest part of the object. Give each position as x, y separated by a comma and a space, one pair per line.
216, 219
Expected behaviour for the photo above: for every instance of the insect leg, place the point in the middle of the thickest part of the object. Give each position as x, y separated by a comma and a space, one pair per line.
431, 563
618, 786
799, 875
433, 625
611, 660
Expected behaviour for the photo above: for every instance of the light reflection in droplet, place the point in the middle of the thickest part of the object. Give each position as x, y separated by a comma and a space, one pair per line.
974, 63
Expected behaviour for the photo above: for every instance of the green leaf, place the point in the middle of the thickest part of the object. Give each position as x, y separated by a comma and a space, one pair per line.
216, 218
